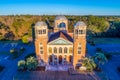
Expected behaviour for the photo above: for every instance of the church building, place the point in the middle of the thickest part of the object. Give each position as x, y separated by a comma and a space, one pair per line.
60, 46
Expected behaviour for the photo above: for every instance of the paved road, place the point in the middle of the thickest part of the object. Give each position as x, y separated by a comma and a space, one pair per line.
108, 68
11, 65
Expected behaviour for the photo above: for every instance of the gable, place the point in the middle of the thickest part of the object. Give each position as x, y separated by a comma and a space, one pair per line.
60, 41
60, 34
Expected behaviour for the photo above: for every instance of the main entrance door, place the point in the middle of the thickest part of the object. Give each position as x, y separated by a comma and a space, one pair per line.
50, 59
60, 59
70, 59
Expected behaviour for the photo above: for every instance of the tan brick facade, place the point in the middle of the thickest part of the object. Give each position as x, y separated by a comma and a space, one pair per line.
43, 41
79, 41
76, 56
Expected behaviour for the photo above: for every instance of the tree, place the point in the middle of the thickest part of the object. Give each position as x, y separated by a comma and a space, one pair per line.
9, 35
22, 49
25, 39
31, 63
1, 37
97, 24
12, 51
100, 58
21, 65
89, 64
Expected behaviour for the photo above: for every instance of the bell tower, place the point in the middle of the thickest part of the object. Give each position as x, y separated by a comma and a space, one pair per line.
41, 38
79, 42
61, 23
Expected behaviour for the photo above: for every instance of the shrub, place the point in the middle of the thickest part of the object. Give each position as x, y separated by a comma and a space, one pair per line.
21, 65
25, 39
14, 53
1, 37
31, 63
89, 64
22, 49
108, 56
12, 50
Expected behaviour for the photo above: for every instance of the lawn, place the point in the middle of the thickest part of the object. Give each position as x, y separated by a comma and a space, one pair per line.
7, 42
105, 40
4, 53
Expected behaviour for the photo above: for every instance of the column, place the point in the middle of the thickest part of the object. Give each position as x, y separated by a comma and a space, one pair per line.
67, 58
57, 60
52, 59
62, 60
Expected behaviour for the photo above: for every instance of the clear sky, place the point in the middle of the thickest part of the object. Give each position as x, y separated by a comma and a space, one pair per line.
60, 7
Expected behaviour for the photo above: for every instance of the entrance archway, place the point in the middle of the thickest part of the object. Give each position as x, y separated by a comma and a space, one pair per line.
70, 59
50, 59
60, 59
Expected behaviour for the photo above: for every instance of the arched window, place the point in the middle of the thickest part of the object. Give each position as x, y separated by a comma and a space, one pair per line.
44, 31
65, 50
70, 50
41, 49
55, 50
62, 25
82, 31
79, 31
76, 31
50, 50
60, 50
39, 31
79, 50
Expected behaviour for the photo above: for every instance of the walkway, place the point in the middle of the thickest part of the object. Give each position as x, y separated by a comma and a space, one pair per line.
53, 75
58, 67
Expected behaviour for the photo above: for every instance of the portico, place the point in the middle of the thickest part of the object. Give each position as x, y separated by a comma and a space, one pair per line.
59, 59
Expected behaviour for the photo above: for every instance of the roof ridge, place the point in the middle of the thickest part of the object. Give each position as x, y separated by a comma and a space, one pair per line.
60, 34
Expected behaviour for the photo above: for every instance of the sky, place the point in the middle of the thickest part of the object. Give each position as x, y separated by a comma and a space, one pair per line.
60, 7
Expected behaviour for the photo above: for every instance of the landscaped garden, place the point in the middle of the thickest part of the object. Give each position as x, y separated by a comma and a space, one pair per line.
30, 64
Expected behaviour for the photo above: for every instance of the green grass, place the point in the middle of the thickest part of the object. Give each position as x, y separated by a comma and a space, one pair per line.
114, 53
1, 68
5, 53
7, 41
17, 54
105, 40
27, 56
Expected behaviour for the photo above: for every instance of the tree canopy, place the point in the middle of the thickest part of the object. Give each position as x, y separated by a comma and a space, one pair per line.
18, 25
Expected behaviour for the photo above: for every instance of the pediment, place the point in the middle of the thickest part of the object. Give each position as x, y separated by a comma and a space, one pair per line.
60, 41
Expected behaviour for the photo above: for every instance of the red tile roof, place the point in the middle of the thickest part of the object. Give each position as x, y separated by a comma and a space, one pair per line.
60, 34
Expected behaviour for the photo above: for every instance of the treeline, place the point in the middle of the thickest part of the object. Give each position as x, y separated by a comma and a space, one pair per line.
15, 27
